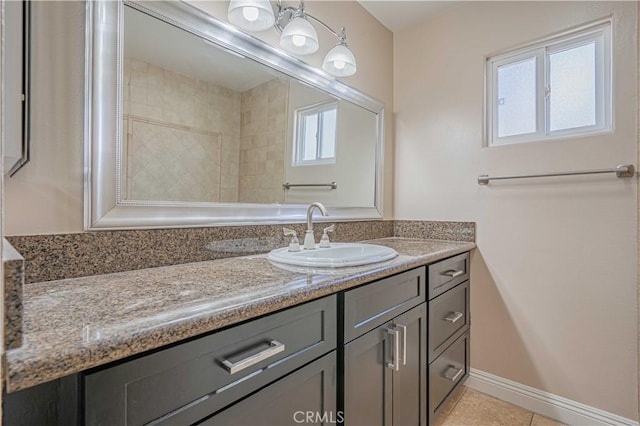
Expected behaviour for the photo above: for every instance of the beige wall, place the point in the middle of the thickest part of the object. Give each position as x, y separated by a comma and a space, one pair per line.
554, 277
47, 196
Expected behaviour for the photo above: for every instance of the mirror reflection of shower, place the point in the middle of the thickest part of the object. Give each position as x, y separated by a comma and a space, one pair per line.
203, 124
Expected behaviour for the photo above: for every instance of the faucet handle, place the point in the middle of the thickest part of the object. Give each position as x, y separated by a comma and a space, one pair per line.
324, 240
288, 231
294, 244
329, 229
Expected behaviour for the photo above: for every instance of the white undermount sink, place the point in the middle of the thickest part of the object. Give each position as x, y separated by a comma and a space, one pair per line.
337, 256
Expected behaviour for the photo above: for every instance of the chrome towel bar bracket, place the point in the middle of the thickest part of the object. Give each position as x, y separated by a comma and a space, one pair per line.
621, 170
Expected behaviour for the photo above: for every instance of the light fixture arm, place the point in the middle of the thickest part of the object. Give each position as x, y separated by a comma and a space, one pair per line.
293, 12
342, 36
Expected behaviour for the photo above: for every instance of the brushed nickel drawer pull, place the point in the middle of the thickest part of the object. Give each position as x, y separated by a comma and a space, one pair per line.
453, 317
452, 273
275, 347
453, 373
404, 343
395, 362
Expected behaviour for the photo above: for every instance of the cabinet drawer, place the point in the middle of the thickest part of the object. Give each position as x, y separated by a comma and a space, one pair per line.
305, 396
209, 373
448, 316
447, 371
447, 274
369, 306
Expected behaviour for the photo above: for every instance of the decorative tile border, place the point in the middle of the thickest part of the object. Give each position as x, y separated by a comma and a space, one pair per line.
13, 282
457, 231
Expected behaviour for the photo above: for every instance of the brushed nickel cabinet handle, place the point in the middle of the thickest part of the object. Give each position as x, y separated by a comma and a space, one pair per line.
274, 348
452, 373
453, 317
395, 361
403, 328
452, 273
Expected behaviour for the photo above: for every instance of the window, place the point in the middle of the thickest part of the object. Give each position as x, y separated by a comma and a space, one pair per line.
556, 88
315, 133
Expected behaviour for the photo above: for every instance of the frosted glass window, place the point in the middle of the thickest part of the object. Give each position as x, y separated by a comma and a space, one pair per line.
315, 141
559, 87
572, 89
517, 98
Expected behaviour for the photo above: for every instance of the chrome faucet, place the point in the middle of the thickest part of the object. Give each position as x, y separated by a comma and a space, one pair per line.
309, 239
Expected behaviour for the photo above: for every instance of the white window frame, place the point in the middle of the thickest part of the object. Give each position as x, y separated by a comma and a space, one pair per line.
299, 132
600, 33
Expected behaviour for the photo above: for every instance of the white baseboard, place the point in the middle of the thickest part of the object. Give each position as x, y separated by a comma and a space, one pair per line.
547, 404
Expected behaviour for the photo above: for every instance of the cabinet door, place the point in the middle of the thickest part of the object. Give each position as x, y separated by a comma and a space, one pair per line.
305, 396
409, 381
368, 379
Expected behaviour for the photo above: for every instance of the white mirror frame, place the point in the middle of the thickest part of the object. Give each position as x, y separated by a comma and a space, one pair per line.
104, 206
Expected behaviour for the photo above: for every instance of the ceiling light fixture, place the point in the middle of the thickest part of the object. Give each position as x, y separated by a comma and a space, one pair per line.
298, 36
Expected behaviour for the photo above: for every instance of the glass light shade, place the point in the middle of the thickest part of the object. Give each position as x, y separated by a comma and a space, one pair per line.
251, 15
339, 62
299, 37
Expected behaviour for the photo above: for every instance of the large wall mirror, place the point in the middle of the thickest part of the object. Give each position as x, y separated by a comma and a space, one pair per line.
191, 122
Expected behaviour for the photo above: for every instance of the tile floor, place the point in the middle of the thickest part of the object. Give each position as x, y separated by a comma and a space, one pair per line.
472, 408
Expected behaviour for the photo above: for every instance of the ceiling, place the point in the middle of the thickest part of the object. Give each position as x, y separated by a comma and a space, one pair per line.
154, 41
400, 14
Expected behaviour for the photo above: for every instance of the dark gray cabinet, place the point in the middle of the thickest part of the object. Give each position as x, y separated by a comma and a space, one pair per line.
371, 305
446, 373
448, 319
449, 325
368, 387
306, 396
189, 382
385, 373
385, 369
391, 352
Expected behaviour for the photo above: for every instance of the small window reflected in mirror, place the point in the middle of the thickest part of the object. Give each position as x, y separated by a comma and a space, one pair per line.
315, 139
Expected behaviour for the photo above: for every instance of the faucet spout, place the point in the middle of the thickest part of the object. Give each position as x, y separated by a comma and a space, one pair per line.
313, 206
309, 239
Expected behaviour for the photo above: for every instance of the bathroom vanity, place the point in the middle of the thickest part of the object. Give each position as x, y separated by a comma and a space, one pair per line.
242, 341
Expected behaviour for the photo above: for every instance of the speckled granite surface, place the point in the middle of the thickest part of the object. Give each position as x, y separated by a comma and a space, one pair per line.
13, 282
75, 324
457, 231
56, 257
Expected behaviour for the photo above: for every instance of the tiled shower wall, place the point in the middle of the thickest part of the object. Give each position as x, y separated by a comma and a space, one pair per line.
181, 136
190, 140
262, 142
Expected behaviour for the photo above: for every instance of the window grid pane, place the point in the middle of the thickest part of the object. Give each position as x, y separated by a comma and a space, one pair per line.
309, 137
572, 77
328, 142
517, 98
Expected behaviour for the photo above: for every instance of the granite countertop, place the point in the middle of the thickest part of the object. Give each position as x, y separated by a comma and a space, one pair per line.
75, 324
